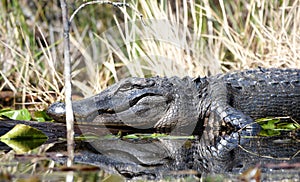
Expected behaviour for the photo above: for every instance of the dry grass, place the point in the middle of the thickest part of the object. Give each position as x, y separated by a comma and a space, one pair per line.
176, 38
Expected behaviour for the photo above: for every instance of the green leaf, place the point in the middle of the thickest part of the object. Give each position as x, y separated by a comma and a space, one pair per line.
22, 114
21, 131
273, 126
268, 123
268, 133
41, 116
22, 146
4, 110
289, 126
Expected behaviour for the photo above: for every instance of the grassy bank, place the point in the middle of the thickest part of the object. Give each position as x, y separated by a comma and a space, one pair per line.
107, 44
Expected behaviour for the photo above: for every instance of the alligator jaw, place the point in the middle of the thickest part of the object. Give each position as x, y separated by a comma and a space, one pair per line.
144, 111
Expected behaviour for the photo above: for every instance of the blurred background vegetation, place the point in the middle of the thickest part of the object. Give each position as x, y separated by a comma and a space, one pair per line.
178, 37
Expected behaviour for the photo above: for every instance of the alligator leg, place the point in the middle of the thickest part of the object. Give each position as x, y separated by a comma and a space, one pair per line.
225, 126
243, 127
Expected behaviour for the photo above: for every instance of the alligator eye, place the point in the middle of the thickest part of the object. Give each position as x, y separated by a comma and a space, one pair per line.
125, 87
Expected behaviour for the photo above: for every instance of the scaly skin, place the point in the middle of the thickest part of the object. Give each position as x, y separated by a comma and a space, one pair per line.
223, 106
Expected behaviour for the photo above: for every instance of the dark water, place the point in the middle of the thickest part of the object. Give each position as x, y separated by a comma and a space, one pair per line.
275, 158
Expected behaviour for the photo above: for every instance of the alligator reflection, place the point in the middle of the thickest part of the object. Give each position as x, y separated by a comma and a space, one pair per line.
157, 158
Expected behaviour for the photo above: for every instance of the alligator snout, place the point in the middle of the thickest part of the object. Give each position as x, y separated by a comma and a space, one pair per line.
57, 111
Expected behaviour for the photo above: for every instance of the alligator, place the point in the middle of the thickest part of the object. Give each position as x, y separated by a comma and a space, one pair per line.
220, 109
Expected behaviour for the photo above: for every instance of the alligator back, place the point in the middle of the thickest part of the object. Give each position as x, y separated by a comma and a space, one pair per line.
265, 92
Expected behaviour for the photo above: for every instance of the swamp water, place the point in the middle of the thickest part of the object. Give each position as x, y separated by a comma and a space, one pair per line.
123, 157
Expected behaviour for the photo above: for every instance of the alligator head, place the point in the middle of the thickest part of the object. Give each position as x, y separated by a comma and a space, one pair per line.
143, 103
